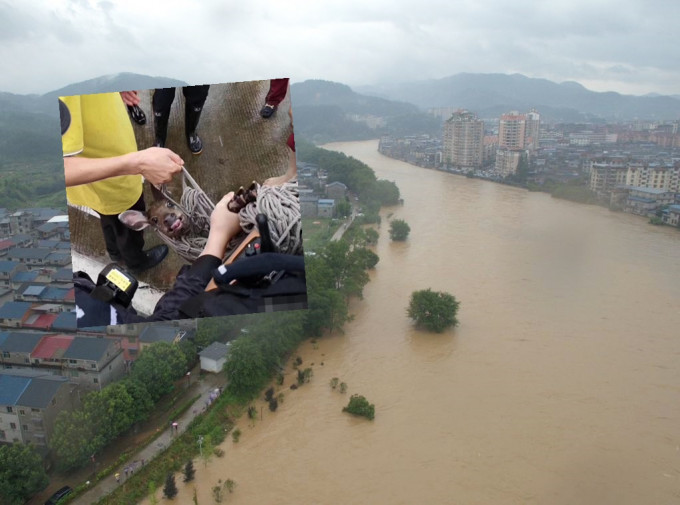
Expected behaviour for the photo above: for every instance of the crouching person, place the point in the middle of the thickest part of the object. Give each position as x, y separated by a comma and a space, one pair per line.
264, 282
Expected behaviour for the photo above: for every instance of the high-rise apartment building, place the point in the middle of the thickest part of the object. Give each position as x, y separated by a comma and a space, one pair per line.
511, 142
532, 130
463, 140
512, 131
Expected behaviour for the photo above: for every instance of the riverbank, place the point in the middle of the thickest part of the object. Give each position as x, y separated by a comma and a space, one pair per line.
558, 386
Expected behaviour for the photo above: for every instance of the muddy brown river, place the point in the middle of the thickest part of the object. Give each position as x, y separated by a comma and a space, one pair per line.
561, 385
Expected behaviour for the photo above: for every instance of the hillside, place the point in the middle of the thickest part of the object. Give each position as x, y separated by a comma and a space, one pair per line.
489, 95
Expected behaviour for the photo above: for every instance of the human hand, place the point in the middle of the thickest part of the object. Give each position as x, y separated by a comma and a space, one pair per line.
130, 98
222, 220
224, 225
157, 164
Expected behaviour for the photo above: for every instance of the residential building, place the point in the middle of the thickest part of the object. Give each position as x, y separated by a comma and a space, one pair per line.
646, 201
532, 130
463, 141
93, 362
512, 130
214, 356
325, 207
336, 190
30, 401
671, 215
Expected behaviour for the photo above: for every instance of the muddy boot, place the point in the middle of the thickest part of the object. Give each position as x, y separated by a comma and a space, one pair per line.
191, 117
160, 127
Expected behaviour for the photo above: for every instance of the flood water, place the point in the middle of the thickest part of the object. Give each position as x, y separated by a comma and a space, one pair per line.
561, 385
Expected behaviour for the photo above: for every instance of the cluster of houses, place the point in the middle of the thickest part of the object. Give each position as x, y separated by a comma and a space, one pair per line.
318, 198
46, 364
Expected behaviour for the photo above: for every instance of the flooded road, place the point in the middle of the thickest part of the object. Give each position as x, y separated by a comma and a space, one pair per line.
561, 385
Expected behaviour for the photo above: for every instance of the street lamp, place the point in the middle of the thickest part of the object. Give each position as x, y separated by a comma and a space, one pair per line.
188, 379
200, 445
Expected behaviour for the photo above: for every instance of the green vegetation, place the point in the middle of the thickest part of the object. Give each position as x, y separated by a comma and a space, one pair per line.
21, 473
108, 413
399, 230
189, 471
575, 191
359, 406
433, 310
357, 176
236, 435
170, 488
343, 209
335, 274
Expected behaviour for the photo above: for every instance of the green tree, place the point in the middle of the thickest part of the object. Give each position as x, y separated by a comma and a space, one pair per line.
170, 488
371, 236
359, 406
21, 473
74, 439
399, 230
245, 367
189, 471
111, 410
343, 209
433, 310
158, 367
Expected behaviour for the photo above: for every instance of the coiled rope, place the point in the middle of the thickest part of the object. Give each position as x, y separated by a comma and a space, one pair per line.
281, 205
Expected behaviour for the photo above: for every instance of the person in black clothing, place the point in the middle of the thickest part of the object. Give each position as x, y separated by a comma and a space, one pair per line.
195, 97
188, 298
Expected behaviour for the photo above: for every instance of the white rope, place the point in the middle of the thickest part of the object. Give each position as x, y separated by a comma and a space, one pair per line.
281, 205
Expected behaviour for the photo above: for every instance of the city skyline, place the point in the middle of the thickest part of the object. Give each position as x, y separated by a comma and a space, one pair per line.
625, 47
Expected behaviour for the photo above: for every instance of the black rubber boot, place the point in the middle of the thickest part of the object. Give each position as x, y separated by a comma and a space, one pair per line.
160, 127
191, 117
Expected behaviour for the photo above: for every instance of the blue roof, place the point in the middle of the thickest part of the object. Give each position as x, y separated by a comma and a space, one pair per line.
59, 256
51, 293
14, 310
11, 388
641, 199
158, 333
17, 341
8, 266
25, 276
51, 243
88, 348
34, 290
65, 321
64, 274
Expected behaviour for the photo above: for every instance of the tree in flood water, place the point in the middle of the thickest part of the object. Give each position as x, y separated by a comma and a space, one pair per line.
399, 230
358, 405
433, 310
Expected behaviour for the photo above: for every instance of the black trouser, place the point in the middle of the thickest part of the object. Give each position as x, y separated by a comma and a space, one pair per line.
121, 241
195, 96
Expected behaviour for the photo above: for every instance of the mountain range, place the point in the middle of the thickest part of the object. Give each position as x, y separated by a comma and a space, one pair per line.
489, 95
326, 111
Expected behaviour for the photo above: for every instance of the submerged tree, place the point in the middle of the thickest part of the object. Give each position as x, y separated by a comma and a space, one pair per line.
189, 471
399, 230
359, 406
170, 488
433, 310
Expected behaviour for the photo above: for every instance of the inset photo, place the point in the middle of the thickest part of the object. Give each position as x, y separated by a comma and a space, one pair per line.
183, 202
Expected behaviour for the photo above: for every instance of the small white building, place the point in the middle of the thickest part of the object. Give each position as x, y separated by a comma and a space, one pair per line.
214, 356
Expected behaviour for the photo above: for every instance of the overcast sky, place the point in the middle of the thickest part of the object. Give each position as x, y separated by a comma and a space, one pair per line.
629, 46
